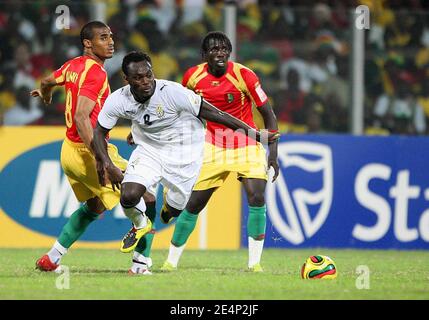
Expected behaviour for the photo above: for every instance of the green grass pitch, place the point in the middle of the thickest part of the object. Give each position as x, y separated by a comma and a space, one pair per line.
217, 275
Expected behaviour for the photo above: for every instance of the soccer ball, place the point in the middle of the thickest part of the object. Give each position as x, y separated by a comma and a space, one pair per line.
319, 267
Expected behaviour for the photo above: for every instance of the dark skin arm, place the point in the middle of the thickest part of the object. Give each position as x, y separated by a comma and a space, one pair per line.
211, 113
45, 91
83, 109
104, 163
82, 119
270, 122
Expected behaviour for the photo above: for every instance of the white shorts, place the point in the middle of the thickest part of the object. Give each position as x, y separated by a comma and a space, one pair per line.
148, 167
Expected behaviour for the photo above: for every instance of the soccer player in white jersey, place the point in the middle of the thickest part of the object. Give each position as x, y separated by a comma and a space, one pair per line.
169, 134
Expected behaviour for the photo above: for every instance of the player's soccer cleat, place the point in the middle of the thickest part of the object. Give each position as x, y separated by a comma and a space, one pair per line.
142, 272
131, 239
168, 267
256, 268
139, 268
45, 264
149, 262
141, 265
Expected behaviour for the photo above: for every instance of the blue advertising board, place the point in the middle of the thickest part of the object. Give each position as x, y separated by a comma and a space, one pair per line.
342, 191
38, 195
36, 198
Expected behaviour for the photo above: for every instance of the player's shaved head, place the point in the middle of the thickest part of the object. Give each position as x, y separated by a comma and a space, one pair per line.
135, 56
87, 31
214, 35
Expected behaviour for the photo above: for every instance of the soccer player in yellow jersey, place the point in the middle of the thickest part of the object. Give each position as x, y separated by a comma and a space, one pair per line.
232, 88
87, 87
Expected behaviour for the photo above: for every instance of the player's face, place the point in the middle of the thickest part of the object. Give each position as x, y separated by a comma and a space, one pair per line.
141, 78
102, 43
217, 55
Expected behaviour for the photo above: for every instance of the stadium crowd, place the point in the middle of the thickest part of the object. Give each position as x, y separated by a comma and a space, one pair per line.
301, 50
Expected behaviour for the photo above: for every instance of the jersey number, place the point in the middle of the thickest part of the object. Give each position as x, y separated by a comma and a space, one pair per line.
146, 119
68, 112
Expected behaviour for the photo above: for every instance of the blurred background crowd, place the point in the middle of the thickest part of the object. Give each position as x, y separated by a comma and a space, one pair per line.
300, 49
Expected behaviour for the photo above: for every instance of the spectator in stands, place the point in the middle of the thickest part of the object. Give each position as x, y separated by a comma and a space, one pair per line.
164, 64
22, 66
291, 102
274, 38
314, 118
26, 111
400, 113
423, 97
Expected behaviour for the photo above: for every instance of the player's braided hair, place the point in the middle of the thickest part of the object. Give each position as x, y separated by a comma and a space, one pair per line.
215, 35
87, 31
134, 56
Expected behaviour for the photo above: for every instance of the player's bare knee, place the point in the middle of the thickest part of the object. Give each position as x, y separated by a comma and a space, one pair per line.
256, 199
195, 206
130, 198
173, 211
199, 200
96, 205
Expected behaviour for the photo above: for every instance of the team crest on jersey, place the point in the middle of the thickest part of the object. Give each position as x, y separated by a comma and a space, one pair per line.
229, 97
160, 111
215, 83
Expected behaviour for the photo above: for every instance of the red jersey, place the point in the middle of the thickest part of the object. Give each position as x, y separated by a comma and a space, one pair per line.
234, 92
82, 76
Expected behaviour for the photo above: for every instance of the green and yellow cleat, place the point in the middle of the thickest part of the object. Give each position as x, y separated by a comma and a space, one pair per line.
168, 267
256, 268
131, 239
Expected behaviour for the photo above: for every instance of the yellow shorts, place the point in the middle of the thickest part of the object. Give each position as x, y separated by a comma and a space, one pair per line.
78, 164
247, 162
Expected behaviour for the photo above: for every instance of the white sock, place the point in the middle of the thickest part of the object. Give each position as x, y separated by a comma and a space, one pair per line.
141, 205
56, 253
174, 254
136, 214
141, 264
141, 258
140, 221
255, 251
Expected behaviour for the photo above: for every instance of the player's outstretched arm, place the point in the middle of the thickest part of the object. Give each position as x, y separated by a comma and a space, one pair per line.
45, 91
211, 113
104, 163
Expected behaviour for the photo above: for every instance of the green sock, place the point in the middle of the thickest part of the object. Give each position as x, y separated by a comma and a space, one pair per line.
76, 226
145, 243
256, 222
185, 224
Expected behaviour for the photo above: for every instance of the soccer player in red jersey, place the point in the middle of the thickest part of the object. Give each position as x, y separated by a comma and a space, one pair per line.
232, 88
87, 87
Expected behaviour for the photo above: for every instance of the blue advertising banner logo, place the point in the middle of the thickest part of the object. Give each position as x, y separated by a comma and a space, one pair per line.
37, 194
346, 191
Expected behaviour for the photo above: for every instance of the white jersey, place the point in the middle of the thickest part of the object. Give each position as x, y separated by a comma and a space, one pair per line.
166, 123
168, 134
